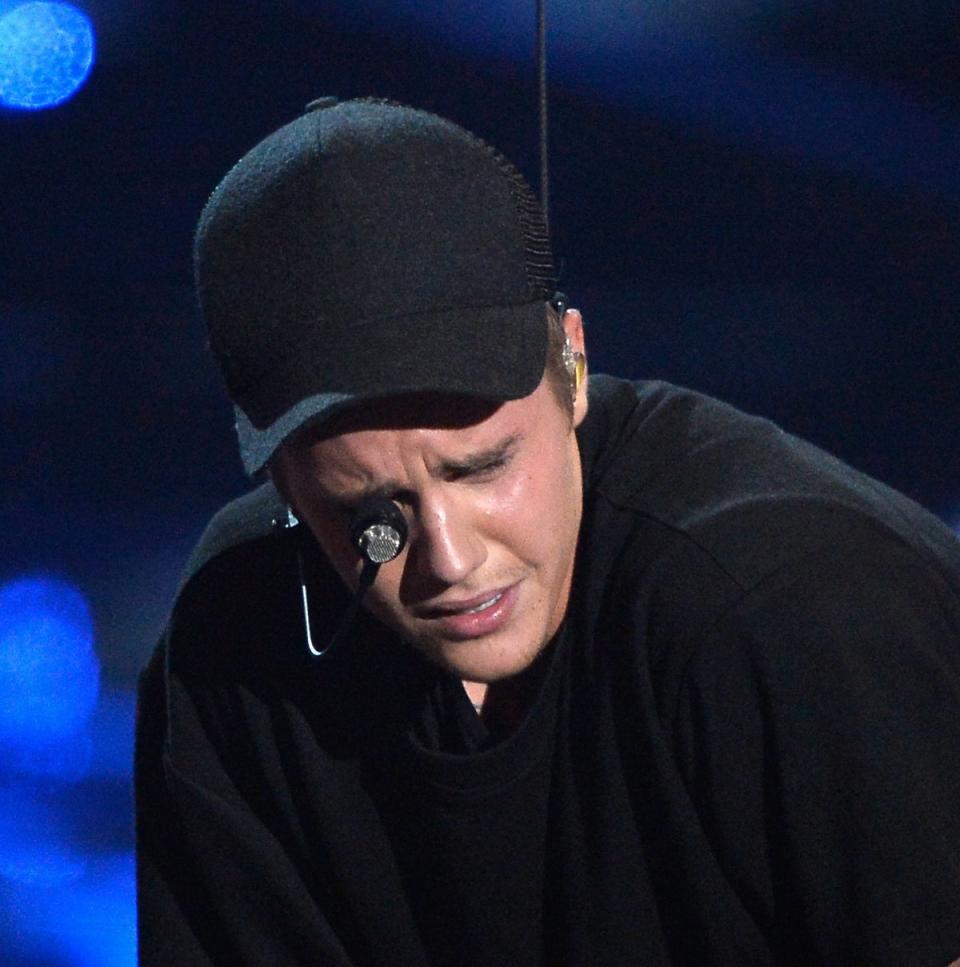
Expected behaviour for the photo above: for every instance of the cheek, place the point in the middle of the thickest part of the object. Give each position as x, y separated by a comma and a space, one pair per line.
383, 598
530, 514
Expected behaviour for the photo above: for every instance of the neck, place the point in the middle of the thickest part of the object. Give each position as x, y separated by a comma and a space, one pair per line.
502, 705
476, 692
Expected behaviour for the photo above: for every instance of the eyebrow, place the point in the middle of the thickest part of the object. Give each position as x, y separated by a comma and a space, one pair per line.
448, 469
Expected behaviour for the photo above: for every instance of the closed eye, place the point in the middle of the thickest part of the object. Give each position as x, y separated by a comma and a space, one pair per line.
480, 471
483, 465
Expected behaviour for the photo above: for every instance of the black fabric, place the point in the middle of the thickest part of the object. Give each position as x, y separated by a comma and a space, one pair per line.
293, 270
745, 748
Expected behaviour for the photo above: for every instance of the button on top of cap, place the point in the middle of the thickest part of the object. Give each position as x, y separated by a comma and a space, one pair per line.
320, 103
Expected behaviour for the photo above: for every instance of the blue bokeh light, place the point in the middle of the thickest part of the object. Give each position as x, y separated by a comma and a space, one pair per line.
49, 672
86, 921
34, 846
46, 53
95, 922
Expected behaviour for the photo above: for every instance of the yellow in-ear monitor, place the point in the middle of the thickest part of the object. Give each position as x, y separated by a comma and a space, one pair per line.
579, 371
575, 365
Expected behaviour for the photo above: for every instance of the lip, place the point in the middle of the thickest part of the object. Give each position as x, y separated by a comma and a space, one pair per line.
453, 620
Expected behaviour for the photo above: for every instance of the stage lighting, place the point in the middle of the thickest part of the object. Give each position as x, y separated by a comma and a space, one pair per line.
49, 672
46, 52
93, 923
33, 843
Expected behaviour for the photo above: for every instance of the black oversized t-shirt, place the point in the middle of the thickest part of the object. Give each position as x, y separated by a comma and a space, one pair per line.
745, 748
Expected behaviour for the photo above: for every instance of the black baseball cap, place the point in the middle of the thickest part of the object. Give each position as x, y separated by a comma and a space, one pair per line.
364, 250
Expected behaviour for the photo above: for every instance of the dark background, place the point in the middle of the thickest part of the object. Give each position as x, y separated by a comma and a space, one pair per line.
757, 198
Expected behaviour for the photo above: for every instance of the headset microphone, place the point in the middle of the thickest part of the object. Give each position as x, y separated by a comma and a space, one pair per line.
379, 532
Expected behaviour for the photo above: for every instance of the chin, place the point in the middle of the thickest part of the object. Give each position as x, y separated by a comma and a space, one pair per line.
486, 662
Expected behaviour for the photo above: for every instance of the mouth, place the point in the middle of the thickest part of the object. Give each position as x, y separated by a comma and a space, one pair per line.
467, 606
484, 604
474, 617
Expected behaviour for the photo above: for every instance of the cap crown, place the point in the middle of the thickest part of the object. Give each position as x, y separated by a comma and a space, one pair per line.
367, 248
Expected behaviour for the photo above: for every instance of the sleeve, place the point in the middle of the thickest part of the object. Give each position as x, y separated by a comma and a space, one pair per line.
214, 885
819, 733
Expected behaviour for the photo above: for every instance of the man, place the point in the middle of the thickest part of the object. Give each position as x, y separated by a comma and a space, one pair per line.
649, 682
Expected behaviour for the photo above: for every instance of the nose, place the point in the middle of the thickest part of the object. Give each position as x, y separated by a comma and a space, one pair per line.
447, 546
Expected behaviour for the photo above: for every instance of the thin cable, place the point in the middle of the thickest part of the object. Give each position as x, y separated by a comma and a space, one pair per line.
367, 573
542, 91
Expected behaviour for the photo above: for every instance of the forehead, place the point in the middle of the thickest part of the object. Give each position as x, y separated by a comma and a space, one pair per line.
368, 435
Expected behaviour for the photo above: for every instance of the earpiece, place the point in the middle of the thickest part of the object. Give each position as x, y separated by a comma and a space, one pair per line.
575, 365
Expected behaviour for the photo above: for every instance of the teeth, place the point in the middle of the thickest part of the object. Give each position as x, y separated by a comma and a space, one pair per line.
484, 604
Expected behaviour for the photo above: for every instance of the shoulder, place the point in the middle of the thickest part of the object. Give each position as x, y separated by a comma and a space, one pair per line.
237, 613
739, 490
243, 521
712, 525
239, 577
855, 604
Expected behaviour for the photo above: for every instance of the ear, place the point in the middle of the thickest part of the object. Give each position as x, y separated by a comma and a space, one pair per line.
573, 326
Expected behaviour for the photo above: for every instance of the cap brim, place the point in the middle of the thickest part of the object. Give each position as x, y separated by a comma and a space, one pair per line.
492, 352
